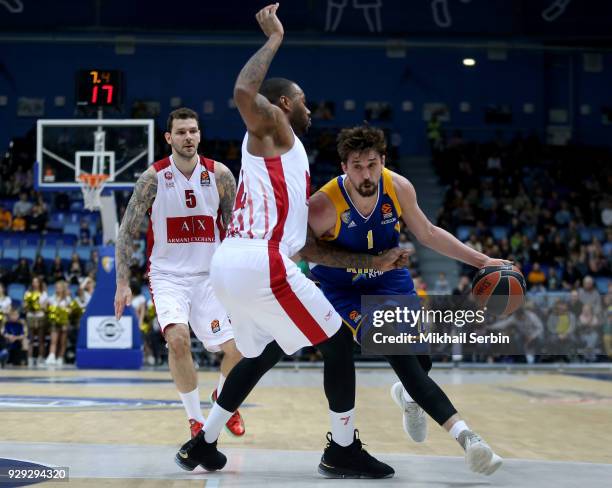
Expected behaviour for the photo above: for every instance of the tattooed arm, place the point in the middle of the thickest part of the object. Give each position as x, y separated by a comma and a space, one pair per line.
322, 221
226, 185
259, 115
140, 201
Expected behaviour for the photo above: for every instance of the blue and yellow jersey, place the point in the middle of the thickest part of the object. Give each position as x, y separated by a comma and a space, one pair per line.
371, 234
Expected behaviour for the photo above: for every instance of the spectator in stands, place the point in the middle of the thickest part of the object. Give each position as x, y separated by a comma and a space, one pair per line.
574, 303
588, 294
4, 352
19, 224
75, 270
571, 276
607, 326
21, 272
58, 315
528, 328
442, 286
57, 271
561, 326
23, 206
88, 284
39, 268
35, 304
62, 202
92, 264
14, 331
554, 283
6, 219
85, 234
37, 220
536, 276
589, 326
5, 305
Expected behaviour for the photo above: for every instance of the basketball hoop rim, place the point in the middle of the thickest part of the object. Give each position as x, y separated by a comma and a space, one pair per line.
93, 181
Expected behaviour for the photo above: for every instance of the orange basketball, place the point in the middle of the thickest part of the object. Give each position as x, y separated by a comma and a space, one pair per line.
501, 289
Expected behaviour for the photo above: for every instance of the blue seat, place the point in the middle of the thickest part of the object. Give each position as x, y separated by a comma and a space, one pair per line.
84, 252
57, 220
68, 240
499, 232
65, 253
48, 253
52, 238
29, 252
30, 239
601, 283
7, 263
11, 252
585, 235
77, 206
463, 232
16, 291
11, 240
72, 228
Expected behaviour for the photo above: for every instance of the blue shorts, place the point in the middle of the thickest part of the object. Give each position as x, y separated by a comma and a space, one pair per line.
347, 303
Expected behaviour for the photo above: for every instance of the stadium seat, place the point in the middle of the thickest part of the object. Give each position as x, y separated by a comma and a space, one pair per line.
11, 253
16, 291
499, 232
7, 263
52, 238
585, 235
65, 253
29, 252
601, 283
72, 228
463, 232
48, 253
84, 252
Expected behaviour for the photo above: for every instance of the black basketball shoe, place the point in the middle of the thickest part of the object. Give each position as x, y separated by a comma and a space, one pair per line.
352, 461
197, 451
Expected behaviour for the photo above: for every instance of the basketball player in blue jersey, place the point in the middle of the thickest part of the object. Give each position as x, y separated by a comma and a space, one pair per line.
360, 211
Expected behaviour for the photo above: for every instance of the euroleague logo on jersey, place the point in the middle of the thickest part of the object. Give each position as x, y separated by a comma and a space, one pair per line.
214, 326
387, 214
204, 178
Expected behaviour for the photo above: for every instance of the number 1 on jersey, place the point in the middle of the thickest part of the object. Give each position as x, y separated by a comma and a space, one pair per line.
190, 199
370, 239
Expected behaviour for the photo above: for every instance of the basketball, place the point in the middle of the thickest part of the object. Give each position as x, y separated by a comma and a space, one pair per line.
501, 289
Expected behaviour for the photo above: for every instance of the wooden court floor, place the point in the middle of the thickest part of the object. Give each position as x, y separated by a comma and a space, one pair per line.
524, 415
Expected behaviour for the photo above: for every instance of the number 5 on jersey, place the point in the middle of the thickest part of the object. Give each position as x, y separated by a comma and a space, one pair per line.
190, 199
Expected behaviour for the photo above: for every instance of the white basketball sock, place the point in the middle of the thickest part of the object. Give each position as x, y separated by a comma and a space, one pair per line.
220, 385
457, 428
191, 402
407, 397
217, 418
343, 427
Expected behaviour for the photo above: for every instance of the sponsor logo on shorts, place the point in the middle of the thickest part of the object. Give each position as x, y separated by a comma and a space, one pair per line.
204, 178
328, 315
214, 326
194, 228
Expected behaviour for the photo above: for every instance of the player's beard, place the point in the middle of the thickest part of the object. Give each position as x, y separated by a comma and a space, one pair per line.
367, 191
186, 153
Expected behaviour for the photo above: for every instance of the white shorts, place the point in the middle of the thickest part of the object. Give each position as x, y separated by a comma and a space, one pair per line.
269, 299
190, 300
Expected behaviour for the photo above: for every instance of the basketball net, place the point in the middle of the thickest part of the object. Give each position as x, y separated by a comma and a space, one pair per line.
92, 186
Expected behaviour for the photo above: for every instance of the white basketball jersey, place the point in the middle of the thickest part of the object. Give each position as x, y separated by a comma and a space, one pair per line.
185, 226
272, 198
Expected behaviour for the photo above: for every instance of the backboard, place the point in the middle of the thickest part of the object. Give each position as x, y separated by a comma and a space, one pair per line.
67, 148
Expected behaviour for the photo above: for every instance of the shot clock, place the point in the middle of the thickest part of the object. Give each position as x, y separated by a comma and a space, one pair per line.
99, 88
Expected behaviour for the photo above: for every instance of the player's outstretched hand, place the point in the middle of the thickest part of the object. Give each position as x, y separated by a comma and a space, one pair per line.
392, 259
123, 297
268, 21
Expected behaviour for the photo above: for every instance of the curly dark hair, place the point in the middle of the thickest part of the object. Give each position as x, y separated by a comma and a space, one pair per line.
359, 139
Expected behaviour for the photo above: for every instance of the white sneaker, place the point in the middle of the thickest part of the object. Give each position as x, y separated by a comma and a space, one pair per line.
59, 361
414, 418
50, 361
479, 456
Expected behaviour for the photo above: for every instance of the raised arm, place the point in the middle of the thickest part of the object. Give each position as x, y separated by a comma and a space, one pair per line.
259, 115
226, 185
431, 235
321, 222
140, 201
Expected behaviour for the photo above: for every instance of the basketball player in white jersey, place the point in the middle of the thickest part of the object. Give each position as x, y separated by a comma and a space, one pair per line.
189, 199
275, 309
